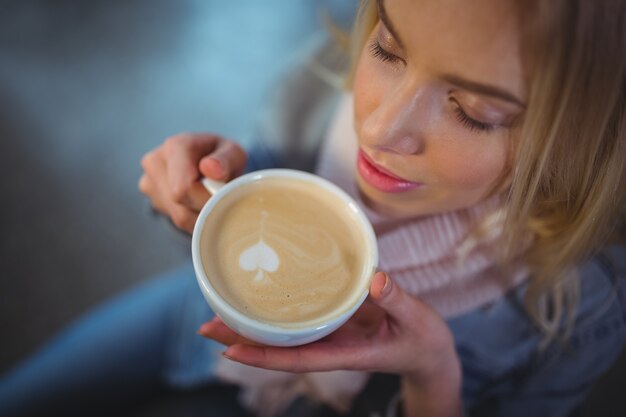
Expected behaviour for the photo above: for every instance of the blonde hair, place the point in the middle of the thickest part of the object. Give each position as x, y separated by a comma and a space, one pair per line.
568, 162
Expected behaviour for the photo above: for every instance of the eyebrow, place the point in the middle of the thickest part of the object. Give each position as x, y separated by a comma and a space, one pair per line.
382, 14
483, 89
479, 88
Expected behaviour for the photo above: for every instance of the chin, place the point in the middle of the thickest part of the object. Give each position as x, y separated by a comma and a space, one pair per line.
386, 204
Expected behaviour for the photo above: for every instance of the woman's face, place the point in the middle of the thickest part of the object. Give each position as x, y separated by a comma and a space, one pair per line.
438, 91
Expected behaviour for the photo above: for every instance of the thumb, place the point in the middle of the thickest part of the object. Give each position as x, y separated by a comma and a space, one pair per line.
227, 161
392, 298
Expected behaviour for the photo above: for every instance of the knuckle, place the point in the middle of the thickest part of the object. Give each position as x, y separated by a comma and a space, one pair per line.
146, 160
178, 218
189, 224
173, 142
182, 219
231, 148
198, 142
180, 194
169, 144
142, 184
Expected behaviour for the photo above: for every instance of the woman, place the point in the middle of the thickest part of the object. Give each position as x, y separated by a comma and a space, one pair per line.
492, 107
486, 141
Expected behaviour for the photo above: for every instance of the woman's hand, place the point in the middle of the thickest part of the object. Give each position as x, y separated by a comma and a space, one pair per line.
172, 172
392, 332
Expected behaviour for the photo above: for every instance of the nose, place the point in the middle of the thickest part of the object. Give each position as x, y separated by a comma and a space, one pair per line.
397, 123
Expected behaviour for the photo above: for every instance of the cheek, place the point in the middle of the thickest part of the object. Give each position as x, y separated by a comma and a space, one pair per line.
470, 166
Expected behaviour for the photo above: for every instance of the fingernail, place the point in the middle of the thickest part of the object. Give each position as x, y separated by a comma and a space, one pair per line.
220, 164
387, 287
204, 328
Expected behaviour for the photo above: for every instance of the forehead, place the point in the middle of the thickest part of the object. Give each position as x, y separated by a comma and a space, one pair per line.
476, 39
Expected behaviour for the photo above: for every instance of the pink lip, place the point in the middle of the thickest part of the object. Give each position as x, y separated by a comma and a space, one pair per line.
381, 179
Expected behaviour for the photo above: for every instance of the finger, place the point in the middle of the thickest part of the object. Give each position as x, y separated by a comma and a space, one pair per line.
151, 183
368, 314
194, 197
147, 187
182, 217
183, 153
227, 161
162, 200
315, 357
217, 330
397, 303
155, 169
156, 185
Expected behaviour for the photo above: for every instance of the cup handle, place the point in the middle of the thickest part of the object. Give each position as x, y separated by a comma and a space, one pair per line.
212, 186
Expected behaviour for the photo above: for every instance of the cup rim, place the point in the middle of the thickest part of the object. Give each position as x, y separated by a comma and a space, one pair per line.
297, 327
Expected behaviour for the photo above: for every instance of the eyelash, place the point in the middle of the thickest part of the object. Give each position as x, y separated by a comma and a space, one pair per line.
378, 52
471, 124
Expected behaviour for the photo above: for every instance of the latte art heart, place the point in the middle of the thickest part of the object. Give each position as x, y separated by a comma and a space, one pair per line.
259, 257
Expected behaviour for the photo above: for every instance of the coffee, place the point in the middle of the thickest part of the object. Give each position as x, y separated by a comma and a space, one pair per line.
284, 251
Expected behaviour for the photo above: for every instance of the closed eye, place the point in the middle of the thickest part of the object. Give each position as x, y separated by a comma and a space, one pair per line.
383, 55
470, 123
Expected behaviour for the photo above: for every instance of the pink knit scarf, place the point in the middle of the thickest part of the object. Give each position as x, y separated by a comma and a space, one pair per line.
435, 258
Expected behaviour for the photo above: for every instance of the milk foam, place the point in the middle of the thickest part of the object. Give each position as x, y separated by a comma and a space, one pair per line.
283, 253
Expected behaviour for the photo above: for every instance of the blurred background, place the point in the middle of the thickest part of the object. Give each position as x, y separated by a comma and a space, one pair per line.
86, 88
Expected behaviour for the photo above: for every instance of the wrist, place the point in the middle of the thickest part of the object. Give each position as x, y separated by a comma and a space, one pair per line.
437, 393
446, 380
446, 368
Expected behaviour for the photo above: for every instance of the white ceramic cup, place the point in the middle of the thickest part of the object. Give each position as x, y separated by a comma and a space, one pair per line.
272, 334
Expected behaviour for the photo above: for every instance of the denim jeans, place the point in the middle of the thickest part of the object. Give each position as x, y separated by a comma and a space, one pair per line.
118, 353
